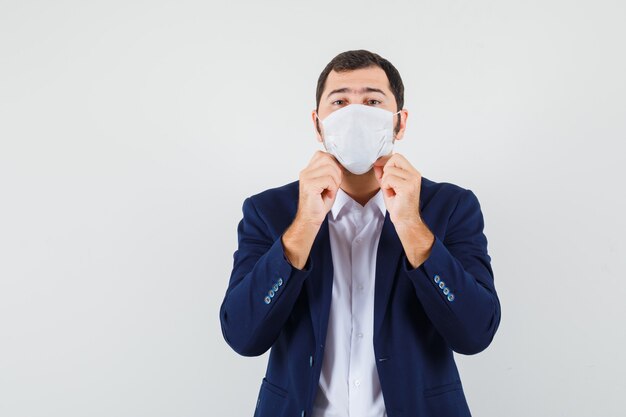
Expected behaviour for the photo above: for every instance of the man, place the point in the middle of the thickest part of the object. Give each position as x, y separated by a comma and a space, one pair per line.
363, 276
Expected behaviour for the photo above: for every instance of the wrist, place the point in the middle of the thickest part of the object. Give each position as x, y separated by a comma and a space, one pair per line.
297, 242
417, 240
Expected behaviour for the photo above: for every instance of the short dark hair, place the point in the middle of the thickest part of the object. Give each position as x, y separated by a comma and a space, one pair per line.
357, 59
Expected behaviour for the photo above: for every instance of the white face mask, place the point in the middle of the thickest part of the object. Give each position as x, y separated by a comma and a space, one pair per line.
357, 135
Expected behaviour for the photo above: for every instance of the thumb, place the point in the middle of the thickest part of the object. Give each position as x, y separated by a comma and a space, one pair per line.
378, 173
328, 197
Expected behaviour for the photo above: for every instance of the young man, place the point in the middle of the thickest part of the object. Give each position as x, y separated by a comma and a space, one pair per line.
363, 276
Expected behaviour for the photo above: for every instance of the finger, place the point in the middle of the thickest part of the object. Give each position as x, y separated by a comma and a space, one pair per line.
325, 158
330, 161
326, 182
378, 173
379, 165
398, 160
394, 182
322, 171
382, 160
321, 168
325, 167
397, 171
334, 161
316, 155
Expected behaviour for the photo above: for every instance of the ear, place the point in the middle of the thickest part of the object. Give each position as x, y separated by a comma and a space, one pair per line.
404, 114
315, 126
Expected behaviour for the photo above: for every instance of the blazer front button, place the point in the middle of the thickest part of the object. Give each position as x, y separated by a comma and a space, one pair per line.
442, 284
267, 300
436, 279
446, 291
451, 297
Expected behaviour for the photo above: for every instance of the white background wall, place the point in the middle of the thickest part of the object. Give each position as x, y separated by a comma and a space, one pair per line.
131, 132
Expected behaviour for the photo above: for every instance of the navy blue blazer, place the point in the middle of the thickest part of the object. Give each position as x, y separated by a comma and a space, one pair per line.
421, 315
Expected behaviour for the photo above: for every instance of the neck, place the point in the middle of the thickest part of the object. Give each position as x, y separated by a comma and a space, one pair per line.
360, 187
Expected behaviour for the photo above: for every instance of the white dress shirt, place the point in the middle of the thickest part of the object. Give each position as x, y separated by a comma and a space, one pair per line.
349, 384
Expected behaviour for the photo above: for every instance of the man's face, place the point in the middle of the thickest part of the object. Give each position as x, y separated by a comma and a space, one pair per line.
368, 86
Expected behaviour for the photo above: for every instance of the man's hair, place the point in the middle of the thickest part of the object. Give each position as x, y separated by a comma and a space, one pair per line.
357, 59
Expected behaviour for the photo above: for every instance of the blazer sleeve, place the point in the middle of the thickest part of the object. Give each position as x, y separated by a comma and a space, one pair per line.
455, 284
262, 289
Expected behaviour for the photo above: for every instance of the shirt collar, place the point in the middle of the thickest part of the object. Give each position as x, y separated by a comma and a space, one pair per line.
343, 199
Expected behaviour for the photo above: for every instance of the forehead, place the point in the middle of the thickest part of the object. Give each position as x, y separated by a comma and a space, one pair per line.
373, 76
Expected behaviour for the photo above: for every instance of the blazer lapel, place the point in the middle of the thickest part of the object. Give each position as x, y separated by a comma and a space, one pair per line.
387, 263
320, 284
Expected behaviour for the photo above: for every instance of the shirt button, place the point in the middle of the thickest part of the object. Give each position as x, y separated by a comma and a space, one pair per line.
357, 383
360, 335
360, 287
358, 240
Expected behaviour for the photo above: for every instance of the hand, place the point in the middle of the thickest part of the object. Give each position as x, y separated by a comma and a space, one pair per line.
401, 185
319, 183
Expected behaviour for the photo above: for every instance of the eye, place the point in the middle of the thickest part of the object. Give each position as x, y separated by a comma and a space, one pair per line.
370, 101
336, 101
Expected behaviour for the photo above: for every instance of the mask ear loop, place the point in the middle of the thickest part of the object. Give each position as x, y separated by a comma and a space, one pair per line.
326, 145
394, 135
318, 123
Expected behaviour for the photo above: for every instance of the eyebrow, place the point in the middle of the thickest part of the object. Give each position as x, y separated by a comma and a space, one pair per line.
363, 90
